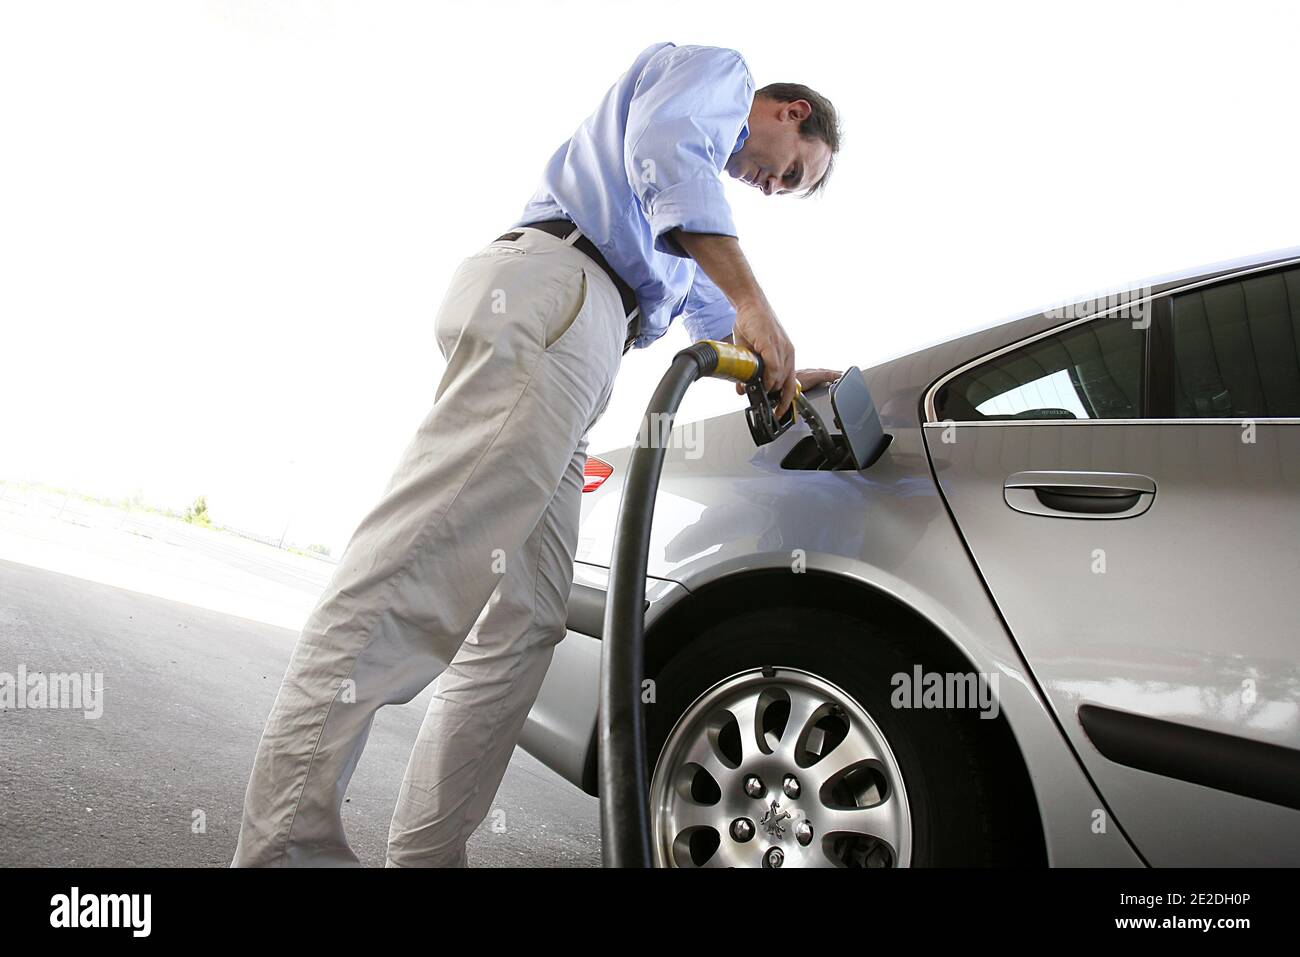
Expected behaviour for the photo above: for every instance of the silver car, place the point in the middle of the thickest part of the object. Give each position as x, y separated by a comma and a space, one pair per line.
1055, 622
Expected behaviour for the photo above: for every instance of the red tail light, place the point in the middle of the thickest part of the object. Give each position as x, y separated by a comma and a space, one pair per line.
595, 472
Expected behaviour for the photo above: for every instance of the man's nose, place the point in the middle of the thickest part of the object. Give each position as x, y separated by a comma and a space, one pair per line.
769, 185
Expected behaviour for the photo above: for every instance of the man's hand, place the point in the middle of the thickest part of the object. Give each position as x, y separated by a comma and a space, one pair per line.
811, 378
758, 330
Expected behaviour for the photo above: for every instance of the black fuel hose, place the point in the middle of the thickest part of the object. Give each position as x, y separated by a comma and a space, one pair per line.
620, 743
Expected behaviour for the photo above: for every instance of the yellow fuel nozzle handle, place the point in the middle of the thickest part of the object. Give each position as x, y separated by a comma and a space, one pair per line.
726, 360
736, 362
739, 364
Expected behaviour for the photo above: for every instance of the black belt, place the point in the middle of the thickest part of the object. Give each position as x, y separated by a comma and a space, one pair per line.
563, 229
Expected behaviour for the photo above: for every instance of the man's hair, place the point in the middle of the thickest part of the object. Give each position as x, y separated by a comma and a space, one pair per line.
823, 123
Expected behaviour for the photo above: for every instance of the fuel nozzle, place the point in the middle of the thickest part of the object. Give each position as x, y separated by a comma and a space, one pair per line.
726, 360
764, 426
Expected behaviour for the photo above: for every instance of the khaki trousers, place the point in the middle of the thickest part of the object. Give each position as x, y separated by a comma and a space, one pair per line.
460, 573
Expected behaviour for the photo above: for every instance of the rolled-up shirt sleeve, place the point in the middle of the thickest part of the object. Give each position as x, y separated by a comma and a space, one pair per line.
684, 119
708, 313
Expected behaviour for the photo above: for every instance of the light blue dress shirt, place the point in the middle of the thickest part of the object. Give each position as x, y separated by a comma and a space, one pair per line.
647, 162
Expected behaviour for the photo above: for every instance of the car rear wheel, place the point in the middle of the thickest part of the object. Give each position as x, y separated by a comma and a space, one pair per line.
777, 746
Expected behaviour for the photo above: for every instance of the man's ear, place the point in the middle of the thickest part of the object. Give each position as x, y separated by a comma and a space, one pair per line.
798, 110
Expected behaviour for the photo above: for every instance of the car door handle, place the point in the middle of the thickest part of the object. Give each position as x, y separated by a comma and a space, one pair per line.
1079, 494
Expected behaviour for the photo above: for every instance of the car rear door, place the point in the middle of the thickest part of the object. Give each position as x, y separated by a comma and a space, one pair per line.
1129, 487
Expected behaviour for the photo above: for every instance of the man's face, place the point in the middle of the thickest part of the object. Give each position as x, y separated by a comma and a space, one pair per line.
774, 157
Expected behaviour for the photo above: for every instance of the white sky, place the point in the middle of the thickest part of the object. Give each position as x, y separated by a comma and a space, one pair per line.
225, 227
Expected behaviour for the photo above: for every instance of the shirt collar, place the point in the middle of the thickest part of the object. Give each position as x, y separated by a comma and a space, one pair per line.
740, 140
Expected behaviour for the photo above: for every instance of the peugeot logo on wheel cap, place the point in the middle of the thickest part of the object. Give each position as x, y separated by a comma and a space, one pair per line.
773, 817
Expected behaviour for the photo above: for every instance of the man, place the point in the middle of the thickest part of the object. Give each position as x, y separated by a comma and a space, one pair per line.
629, 230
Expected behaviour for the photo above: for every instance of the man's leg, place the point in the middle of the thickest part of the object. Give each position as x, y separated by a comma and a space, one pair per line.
480, 702
519, 392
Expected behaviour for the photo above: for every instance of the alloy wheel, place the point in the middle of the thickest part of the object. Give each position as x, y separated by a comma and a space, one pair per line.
777, 767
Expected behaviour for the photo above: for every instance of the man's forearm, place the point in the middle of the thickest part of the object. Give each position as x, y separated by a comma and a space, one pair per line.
724, 262
756, 327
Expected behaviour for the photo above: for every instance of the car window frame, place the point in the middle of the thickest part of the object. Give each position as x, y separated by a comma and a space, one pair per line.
1104, 316
1158, 361
1160, 358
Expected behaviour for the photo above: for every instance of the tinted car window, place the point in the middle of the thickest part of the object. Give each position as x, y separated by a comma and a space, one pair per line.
1090, 371
1235, 352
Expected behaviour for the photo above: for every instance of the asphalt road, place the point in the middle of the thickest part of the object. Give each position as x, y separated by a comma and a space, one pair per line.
186, 691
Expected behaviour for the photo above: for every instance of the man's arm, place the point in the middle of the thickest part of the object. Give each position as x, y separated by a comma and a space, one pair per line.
756, 328
682, 123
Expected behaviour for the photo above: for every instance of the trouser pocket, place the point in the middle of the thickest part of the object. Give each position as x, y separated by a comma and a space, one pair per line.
568, 308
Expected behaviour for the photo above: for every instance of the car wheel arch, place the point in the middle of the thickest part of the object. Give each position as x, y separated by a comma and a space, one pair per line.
697, 610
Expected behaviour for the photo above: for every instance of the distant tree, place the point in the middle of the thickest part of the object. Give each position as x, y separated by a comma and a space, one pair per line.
319, 549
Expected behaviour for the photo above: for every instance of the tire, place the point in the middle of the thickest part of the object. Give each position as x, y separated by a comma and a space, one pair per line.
941, 755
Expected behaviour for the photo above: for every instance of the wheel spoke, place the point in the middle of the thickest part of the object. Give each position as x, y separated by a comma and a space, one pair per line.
727, 855
705, 754
745, 711
688, 814
804, 705
855, 748
880, 820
